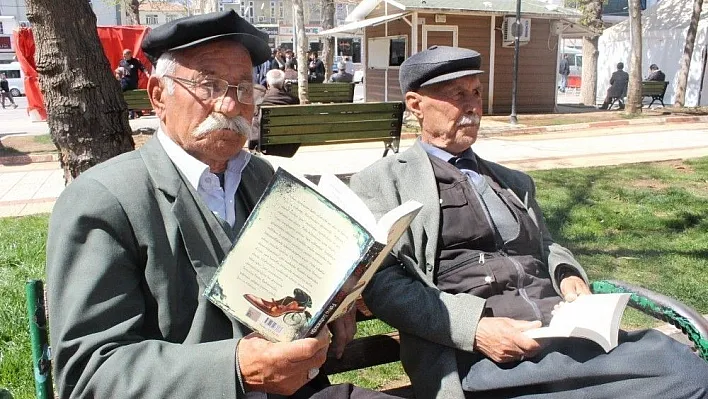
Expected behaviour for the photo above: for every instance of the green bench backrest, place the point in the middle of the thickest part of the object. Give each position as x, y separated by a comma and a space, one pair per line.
330, 123
137, 99
652, 88
327, 92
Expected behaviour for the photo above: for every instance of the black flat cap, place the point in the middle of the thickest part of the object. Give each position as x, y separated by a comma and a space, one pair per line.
437, 64
191, 31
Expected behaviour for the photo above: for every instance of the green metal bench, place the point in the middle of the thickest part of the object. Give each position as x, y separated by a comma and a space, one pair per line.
325, 92
380, 349
284, 128
655, 90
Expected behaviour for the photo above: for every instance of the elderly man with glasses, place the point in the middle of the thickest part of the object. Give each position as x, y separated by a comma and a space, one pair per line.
133, 242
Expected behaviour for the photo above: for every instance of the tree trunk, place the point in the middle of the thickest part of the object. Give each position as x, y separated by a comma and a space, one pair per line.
301, 51
132, 12
592, 18
634, 90
328, 47
588, 89
86, 113
680, 100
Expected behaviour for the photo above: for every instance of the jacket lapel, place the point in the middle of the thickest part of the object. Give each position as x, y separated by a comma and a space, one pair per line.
208, 241
415, 168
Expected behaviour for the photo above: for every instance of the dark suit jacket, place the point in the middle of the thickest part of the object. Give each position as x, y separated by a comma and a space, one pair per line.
618, 84
433, 324
342, 77
275, 96
657, 76
130, 249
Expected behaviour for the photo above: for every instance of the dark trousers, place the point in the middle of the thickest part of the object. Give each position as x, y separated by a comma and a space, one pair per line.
608, 101
646, 364
8, 95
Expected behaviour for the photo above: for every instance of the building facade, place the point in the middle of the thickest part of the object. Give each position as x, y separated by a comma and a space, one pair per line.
154, 13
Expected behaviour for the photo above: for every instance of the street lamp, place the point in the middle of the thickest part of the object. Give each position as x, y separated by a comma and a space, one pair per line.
517, 32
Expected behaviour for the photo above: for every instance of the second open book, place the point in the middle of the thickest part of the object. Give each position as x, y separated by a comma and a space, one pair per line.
303, 256
594, 317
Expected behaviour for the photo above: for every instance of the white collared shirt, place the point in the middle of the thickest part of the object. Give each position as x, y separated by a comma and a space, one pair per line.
219, 201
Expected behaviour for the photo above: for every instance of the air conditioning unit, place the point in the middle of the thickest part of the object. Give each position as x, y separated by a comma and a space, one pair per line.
508, 31
262, 18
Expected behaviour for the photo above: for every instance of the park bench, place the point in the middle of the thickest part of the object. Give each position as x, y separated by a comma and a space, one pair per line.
325, 92
137, 99
364, 352
655, 90
284, 128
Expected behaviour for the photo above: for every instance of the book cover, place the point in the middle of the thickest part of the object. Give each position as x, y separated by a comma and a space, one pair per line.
300, 260
595, 317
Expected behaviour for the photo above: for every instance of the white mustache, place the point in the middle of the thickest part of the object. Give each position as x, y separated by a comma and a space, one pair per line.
468, 120
217, 121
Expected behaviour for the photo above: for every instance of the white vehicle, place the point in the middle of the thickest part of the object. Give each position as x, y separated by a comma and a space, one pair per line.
575, 60
15, 78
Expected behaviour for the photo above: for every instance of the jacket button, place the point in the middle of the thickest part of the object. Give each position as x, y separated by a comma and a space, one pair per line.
430, 267
488, 279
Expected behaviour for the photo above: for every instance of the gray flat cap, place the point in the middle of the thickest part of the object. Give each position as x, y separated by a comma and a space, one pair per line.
437, 64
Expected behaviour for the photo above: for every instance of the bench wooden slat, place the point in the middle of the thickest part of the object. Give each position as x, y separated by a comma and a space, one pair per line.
343, 128
326, 92
137, 99
332, 138
341, 118
317, 109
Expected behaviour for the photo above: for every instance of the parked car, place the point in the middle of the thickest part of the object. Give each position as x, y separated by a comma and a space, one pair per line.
15, 78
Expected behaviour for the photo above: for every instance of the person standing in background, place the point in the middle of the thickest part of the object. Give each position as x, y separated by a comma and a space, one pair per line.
563, 71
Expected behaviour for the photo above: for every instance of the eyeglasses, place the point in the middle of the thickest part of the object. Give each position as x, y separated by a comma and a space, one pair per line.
214, 88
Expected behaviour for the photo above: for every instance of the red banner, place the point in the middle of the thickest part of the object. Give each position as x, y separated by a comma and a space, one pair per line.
114, 40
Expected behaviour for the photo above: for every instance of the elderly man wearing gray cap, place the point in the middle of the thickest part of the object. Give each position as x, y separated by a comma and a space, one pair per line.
133, 241
478, 266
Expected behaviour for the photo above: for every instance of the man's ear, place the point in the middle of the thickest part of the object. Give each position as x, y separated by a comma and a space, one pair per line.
413, 101
155, 92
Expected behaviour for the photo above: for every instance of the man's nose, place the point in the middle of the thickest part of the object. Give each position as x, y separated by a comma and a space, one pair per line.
229, 105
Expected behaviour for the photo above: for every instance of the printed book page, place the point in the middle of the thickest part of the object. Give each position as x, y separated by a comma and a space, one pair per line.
336, 191
294, 252
595, 317
394, 223
339, 193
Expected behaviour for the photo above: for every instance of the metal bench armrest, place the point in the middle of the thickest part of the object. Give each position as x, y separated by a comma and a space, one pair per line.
661, 307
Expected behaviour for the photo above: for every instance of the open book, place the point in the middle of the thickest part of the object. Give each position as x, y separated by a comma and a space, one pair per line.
594, 317
303, 256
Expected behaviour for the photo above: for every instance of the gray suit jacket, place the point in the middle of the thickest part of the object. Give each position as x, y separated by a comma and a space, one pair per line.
130, 249
433, 324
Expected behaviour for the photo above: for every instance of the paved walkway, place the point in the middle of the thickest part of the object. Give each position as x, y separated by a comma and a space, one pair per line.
33, 188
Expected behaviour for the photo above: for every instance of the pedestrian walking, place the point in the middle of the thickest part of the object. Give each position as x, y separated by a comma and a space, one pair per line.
5, 91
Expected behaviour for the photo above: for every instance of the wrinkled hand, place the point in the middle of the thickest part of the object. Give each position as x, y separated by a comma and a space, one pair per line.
572, 286
501, 339
343, 330
280, 367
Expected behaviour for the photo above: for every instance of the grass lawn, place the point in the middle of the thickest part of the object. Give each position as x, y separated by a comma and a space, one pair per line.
646, 224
